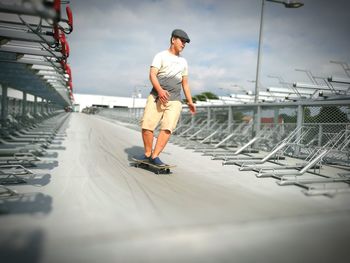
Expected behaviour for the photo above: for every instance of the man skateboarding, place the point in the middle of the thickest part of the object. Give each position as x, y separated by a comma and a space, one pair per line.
168, 75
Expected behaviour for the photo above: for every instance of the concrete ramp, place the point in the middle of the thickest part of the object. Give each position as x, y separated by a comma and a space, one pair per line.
87, 204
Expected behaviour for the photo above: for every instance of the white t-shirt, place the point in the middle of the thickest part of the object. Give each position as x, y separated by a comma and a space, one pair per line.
171, 70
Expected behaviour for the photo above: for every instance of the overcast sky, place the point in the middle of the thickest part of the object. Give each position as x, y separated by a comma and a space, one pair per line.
114, 41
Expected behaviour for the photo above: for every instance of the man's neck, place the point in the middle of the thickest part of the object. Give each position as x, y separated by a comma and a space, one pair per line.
173, 51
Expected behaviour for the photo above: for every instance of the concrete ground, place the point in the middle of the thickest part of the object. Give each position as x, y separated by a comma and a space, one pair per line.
86, 203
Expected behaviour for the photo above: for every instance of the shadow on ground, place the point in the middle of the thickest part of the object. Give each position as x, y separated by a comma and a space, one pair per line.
30, 203
21, 246
133, 151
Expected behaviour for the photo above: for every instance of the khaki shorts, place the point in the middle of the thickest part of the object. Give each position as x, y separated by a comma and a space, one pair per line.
168, 115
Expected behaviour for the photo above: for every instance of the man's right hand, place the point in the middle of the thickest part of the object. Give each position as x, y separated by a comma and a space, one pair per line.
163, 96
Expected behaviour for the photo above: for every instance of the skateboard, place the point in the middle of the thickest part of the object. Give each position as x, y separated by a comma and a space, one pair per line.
157, 169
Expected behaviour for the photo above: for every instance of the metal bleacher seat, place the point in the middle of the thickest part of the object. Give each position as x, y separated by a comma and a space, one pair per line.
33, 60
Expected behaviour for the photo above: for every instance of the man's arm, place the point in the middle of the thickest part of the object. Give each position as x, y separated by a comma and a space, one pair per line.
163, 95
187, 91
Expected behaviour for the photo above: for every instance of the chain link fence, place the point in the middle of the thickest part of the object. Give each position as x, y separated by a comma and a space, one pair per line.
323, 121
314, 133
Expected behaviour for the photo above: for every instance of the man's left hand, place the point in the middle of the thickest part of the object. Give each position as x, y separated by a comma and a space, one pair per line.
192, 108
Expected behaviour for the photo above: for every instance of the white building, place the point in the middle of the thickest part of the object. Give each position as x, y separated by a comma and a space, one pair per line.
88, 100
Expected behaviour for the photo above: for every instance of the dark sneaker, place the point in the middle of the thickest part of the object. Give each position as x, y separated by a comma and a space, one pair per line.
157, 161
143, 158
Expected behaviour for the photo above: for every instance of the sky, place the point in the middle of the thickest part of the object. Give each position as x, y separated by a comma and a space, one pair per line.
114, 42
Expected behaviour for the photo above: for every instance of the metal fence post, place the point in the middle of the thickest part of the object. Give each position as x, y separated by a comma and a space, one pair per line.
208, 116
24, 104
4, 105
320, 134
300, 122
258, 119
276, 116
35, 110
230, 119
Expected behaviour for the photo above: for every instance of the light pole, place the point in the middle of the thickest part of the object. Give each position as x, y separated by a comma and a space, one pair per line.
133, 98
287, 4
136, 94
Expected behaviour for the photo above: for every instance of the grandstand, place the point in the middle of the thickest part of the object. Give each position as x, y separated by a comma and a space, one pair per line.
255, 181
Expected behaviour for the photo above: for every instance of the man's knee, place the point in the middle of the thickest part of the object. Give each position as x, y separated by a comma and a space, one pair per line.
166, 131
146, 131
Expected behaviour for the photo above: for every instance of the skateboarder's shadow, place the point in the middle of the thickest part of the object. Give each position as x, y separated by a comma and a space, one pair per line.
133, 151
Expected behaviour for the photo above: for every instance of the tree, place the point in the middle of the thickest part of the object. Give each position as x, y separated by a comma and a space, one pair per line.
204, 96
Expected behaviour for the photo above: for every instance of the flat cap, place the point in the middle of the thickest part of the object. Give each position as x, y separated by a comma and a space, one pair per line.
181, 34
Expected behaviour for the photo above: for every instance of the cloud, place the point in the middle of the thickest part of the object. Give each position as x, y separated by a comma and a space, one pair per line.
114, 42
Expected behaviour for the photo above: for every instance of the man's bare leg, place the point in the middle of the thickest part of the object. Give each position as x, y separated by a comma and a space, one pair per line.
147, 137
162, 140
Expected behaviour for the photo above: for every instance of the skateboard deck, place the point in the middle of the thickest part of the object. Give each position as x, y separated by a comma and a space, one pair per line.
157, 169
